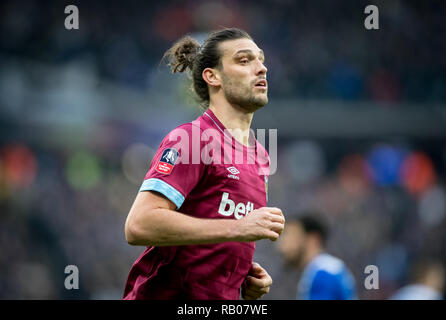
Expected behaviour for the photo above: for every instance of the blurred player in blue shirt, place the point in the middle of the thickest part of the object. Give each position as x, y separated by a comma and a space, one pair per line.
323, 276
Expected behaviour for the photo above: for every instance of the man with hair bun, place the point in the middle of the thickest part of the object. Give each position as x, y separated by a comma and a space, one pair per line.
199, 211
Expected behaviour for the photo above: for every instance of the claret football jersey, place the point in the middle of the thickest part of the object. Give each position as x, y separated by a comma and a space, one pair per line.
208, 174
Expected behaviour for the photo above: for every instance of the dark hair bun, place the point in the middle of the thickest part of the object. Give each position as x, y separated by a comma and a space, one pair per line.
182, 54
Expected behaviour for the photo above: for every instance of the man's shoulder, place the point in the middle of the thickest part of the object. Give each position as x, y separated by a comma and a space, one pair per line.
328, 264
200, 124
186, 130
188, 126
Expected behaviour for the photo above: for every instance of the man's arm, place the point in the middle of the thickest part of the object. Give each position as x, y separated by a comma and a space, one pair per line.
152, 220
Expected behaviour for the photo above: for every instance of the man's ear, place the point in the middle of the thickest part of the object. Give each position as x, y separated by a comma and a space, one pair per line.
212, 77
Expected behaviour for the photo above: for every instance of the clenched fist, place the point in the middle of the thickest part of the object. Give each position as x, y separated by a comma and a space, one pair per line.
257, 283
262, 223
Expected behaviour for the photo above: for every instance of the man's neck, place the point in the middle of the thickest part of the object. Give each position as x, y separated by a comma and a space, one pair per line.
311, 254
237, 121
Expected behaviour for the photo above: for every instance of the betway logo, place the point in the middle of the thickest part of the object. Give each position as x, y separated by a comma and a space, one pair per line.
228, 207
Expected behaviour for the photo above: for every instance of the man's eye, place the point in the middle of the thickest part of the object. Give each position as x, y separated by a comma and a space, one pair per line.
244, 61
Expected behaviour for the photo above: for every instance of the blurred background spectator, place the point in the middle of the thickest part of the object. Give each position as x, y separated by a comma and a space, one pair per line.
322, 276
360, 114
427, 282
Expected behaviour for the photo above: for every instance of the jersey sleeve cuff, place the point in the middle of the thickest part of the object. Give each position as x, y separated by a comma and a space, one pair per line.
164, 188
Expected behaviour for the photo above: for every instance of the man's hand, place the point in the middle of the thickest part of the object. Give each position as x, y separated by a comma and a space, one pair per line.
257, 283
262, 223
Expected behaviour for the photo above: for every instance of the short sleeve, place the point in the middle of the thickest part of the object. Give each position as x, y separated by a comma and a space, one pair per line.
174, 172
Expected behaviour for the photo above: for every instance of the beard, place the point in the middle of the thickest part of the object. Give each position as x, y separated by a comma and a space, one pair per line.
243, 95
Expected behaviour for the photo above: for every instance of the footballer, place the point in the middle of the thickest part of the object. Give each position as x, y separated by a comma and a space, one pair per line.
203, 202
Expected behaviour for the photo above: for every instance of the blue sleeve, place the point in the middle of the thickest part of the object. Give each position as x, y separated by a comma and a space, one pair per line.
323, 286
164, 188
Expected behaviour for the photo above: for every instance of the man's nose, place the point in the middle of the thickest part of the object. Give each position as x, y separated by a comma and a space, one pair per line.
261, 69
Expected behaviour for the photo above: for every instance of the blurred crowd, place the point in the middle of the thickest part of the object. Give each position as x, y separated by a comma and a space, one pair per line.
82, 111
313, 50
385, 204
69, 207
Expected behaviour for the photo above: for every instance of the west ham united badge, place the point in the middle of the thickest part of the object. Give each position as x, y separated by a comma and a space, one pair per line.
167, 161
